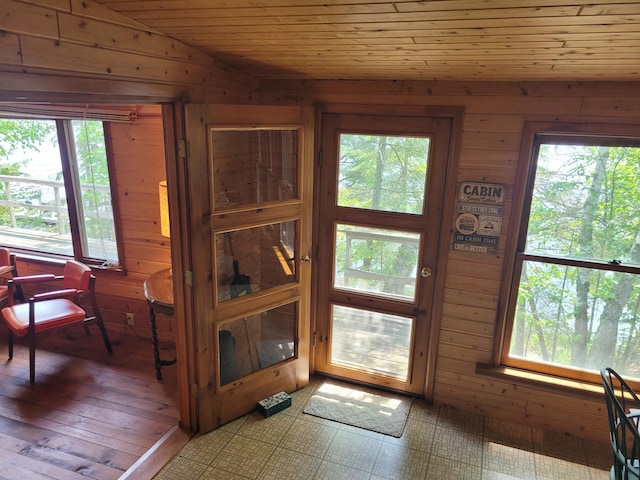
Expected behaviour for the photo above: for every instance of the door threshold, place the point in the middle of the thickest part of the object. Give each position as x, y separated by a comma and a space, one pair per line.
149, 464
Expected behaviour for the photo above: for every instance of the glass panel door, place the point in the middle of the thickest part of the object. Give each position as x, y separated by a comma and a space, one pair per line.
254, 168
250, 255
382, 188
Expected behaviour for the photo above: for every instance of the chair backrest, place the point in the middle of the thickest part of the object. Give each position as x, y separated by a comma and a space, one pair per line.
5, 261
76, 275
625, 439
5, 257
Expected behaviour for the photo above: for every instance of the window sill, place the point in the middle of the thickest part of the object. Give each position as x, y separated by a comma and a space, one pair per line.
59, 261
541, 380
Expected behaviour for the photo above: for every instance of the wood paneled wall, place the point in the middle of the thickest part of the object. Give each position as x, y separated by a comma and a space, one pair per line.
494, 118
64, 50
76, 50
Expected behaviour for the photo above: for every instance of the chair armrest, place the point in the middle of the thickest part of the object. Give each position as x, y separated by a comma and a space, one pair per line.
45, 277
67, 292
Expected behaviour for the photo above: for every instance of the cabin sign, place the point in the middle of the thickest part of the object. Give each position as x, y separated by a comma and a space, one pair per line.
483, 193
479, 221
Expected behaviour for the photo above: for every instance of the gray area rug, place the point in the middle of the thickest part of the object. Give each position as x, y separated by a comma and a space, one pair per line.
360, 407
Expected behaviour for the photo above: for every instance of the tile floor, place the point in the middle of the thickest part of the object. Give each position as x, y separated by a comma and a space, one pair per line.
438, 443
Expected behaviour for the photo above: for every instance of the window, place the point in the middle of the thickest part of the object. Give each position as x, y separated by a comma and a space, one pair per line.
576, 283
55, 192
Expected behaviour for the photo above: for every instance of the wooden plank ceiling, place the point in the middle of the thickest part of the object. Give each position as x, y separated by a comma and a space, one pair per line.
406, 39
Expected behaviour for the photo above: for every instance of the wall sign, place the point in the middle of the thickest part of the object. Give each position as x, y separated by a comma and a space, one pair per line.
479, 221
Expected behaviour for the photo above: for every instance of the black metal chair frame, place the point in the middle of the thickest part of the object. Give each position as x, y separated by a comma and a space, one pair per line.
623, 410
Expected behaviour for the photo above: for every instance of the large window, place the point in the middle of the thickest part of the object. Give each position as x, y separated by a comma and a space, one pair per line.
55, 192
575, 304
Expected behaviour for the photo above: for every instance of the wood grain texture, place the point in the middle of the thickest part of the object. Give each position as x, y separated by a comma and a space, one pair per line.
494, 119
411, 39
96, 42
139, 165
89, 413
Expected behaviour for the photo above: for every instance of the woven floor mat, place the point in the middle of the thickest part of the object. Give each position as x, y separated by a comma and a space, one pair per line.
360, 407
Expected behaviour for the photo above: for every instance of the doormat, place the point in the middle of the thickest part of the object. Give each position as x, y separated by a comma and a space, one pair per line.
380, 412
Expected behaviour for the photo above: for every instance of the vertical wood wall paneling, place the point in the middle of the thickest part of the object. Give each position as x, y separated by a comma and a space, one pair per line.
495, 114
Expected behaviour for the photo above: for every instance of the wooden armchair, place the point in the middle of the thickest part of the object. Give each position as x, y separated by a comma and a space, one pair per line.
52, 309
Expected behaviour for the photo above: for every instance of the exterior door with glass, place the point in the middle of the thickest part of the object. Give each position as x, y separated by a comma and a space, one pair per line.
381, 195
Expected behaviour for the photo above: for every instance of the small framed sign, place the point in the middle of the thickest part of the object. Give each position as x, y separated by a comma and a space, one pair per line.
479, 221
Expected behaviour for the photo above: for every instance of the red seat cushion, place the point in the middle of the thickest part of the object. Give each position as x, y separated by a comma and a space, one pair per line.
48, 314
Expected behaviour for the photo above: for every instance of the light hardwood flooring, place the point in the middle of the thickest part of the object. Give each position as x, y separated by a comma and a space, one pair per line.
90, 414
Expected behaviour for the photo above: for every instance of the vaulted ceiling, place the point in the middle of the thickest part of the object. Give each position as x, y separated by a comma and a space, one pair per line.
406, 39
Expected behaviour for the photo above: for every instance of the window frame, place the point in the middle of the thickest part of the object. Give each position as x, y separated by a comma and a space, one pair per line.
64, 133
535, 134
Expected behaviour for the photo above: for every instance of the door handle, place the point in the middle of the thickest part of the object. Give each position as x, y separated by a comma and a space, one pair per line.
305, 259
425, 272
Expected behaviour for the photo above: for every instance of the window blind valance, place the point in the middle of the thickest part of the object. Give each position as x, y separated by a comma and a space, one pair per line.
107, 113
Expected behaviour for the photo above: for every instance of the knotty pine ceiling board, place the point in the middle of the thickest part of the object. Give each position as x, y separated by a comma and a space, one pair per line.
406, 40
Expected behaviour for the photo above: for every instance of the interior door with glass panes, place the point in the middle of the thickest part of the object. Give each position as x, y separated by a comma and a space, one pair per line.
253, 341
381, 189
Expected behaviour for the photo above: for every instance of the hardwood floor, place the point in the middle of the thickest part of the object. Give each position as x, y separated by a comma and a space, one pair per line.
89, 413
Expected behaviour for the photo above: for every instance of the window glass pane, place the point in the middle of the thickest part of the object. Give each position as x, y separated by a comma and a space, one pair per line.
585, 203
34, 213
96, 212
252, 343
376, 261
33, 203
253, 166
382, 172
255, 259
578, 317
372, 341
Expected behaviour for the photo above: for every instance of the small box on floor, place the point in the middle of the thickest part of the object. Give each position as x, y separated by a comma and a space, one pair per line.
274, 404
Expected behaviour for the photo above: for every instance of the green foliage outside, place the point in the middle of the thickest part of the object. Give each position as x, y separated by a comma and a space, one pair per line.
585, 207
384, 173
26, 137
93, 170
25, 144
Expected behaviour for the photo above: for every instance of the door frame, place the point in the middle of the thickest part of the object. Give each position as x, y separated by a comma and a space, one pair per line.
176, 175
215, 406
455, 114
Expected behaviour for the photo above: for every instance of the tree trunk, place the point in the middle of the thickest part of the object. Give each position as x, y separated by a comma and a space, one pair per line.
585, 243
604, 344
